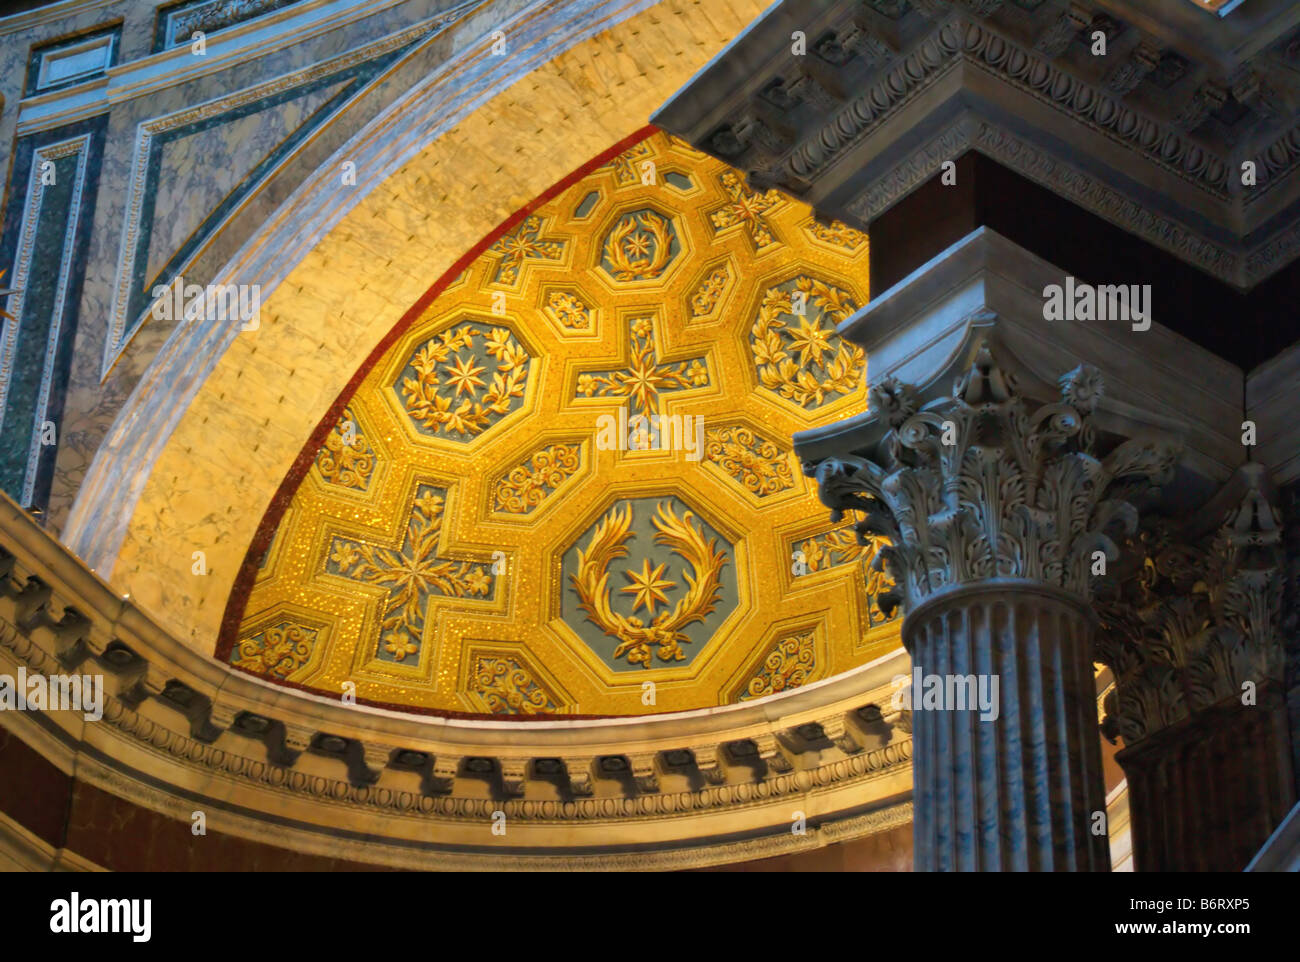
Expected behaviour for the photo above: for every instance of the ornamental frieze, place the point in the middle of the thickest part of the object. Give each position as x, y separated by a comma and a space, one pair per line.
1119, 101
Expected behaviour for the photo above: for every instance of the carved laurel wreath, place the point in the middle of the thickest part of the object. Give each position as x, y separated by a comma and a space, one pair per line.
423, 395
775, 344
608, 543
637, 255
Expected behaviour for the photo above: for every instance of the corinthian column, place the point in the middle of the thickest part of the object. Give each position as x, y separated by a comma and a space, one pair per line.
998, 513
1194, 639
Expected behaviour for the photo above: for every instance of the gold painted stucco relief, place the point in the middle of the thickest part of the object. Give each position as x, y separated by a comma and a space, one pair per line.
573, 474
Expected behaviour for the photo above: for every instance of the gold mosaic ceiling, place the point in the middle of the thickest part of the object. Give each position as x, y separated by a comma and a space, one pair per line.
496, 525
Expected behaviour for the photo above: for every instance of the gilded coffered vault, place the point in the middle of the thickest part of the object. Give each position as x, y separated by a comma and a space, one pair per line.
569, 471
481, 435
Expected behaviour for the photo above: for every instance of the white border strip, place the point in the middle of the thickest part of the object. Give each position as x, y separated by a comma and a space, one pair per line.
22, 274
56, 317
118, 335
239, 43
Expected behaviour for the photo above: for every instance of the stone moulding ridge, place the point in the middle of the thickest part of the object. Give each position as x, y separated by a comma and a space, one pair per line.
997, 144
1030, 72
1140, 153
173, 718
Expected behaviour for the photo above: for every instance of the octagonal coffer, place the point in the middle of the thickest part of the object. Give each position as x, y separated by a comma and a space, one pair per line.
464, 380
648, 583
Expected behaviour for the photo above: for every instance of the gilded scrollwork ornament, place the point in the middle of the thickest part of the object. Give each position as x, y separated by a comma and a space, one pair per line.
758, 464
508, 688
346, 458
791, 663
277, 651
527, 485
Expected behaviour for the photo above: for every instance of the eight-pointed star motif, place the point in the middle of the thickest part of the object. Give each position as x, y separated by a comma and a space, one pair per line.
638, 245
810, 339
642, 381
464, 374
648, 586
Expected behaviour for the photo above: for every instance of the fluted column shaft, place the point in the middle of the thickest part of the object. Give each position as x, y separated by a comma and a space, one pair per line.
998, 515
1018, 792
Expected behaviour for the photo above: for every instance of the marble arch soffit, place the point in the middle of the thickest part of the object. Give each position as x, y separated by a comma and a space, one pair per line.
230, 414
482, 525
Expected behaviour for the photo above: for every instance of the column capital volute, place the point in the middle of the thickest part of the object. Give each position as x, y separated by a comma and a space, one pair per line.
1194, 619
984, 483
986, 290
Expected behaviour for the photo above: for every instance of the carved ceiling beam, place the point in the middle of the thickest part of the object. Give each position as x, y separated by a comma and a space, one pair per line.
1133, 70
1056, 39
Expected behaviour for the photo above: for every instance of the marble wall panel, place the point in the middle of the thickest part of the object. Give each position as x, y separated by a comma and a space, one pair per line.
95, 398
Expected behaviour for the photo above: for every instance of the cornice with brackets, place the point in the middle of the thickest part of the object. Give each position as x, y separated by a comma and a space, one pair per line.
181, 733
1152, 136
